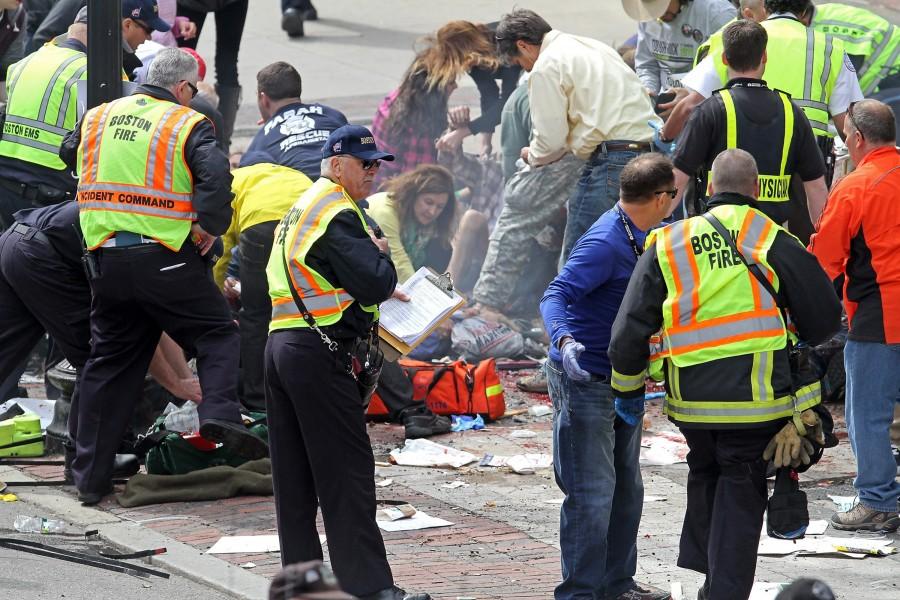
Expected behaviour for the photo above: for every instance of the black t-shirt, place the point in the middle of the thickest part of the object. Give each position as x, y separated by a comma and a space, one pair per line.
59, 222
704, 138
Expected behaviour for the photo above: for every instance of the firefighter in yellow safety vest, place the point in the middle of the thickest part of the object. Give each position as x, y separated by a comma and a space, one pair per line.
717, 331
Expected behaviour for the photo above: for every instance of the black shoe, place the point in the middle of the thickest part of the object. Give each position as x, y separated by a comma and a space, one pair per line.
642, 591
311, 14
92, 498
703, 592
395, 593
292, 22
235, 437
124, 466
421, 422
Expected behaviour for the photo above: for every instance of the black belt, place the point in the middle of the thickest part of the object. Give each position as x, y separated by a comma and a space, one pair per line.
622, 146
30, 233
42, 195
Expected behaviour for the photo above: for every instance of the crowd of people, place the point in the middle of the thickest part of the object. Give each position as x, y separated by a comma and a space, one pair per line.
667, 210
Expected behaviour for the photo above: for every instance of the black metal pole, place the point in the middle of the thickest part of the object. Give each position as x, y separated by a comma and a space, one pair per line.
104, 51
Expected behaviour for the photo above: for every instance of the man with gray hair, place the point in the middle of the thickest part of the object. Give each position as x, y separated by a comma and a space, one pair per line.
724, 350
154, 192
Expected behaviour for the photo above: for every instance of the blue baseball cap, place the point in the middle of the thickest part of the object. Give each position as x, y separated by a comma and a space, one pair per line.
145, 11
356, 141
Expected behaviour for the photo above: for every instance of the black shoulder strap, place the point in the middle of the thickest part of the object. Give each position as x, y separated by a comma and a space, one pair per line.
752, 266
310, 320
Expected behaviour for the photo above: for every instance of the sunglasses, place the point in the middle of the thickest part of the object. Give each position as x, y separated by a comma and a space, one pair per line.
853, 120
673, 192
194, 90
147, 29
370, 163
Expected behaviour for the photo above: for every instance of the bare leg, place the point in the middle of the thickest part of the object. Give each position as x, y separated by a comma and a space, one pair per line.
469, 248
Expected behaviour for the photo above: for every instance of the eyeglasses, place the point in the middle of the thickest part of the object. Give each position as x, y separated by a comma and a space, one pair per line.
673, 192
853, 120
194, 90
147, 29
370, 163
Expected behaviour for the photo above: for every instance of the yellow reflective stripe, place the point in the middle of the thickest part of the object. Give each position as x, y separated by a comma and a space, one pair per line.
701, 336
730, 120
753, 411
41, 125
810, 62
494, 390
826, 68
761, 376
808, 396
628, 383
878, 51
788, 130
674, 380
138, 209
313, 304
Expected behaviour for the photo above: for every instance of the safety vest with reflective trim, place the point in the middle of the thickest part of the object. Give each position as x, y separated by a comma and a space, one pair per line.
712, 45
305, 223
774, 178
802, 62
41, 106
864, 34
134, 176
715, 308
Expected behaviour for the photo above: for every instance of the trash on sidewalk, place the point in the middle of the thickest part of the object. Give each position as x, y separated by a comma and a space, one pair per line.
539, 410
21, 436
663, 448
419, 520
766, 591
183, 420
465, 422
526, 464
248, 544
82, 558
817, 527
854, 546
26, 524
248, 565
384, 483
677, 591
9, 498
425, 453
523, 434
395, 513
844, 503
455, 484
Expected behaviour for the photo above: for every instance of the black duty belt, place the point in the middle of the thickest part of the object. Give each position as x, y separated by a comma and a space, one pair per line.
30, 233
41, 195
623, 146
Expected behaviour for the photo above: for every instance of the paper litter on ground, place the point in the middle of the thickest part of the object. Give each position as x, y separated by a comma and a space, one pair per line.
523, 434
677, 591
384, 483
455, 484
525, 464
766, 591
248, 544
539, 410
817, 527
663, 448
41, 407
425, 453
819, 545
419, 520
844, 503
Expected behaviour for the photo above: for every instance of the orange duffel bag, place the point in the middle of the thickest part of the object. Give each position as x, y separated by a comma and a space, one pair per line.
457, 388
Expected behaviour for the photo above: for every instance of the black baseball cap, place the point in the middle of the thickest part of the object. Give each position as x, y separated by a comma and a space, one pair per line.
353, 140
146, 11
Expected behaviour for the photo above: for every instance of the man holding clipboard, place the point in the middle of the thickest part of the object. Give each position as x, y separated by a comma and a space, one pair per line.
327, 274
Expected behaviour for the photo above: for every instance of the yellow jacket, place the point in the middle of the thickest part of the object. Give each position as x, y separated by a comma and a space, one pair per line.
262, 192
383, 209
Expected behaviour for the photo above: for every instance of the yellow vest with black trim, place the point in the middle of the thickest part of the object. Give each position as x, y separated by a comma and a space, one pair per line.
774, 178
864, 34
134, 176
41, 106
715, 309
305, 223
802, 62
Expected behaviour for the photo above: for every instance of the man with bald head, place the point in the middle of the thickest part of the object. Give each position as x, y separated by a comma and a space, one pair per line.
857, 237
724, 351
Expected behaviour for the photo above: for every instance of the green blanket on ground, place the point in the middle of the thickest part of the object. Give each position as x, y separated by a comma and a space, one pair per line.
253, 478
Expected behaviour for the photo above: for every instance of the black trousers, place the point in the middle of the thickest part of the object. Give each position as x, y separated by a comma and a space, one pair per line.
10, 202
321, 456
726, 499
229, 31
41, 293
255, 245
142, 291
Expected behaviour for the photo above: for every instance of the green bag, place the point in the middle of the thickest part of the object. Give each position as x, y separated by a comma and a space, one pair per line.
171, 454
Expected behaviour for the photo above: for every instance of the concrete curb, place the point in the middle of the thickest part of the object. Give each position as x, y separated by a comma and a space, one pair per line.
179, 558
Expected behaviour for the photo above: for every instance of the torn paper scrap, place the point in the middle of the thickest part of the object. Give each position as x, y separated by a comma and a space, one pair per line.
821, 545
663, 449
844, 503
455, 484
248, 544
525, 464
395, 513
425, 453
523, 434
384, 483
817, 527
419, 520
766, 591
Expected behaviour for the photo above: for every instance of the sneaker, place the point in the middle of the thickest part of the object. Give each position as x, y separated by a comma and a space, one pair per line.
421, 422
642, 591
535, 384
292, 22
863, 518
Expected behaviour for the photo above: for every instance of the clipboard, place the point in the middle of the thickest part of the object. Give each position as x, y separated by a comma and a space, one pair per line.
396, 347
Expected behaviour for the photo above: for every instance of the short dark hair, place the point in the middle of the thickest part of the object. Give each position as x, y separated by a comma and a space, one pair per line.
645, 175
744, 43
279, 81
795, 7
874, 120
521, 24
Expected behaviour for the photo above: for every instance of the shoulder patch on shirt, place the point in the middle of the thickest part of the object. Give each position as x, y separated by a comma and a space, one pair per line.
849, 64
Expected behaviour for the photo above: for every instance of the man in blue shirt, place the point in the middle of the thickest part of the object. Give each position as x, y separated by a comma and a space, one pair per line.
595, 452
294, 132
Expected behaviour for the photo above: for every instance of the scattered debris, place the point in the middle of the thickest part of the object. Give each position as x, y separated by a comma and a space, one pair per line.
677, 591
525, 464
455, 484
248, 565
523, 434
9, 498
854, 546
384, 483
844, 503
419, 520
465, 422
248, 544
395, 513
663, 448
425, 453
539, 410
766, 591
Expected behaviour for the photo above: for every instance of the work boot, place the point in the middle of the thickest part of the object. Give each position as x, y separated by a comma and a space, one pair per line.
421, 422
229, 102
642, 591
292, 22
235, 437
395, 593
92, 498
535, 384
864, 518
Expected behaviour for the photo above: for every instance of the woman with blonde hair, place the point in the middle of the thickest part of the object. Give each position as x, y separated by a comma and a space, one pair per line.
418, 215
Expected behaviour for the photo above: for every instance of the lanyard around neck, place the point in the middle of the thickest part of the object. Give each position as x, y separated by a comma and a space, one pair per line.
634, 245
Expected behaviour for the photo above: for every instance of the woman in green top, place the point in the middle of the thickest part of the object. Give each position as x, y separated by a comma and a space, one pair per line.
417, 213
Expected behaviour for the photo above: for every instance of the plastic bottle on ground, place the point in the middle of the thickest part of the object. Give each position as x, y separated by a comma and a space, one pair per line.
26, 524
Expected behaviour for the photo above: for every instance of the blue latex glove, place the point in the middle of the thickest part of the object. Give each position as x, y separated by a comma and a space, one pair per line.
629, 410
667, 148
570, 353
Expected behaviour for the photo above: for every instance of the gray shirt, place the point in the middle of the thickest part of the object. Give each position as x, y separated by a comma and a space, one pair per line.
515, 128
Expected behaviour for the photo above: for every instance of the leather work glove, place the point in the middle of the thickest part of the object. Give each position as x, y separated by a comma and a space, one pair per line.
813, 425
784, 448
630, 409
570, 353
807, 450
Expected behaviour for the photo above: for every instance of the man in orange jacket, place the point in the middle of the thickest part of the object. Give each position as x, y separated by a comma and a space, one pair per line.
857, 237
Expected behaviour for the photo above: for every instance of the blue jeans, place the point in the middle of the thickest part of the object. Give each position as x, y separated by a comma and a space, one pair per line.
873, 387
595, 460
597, 192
